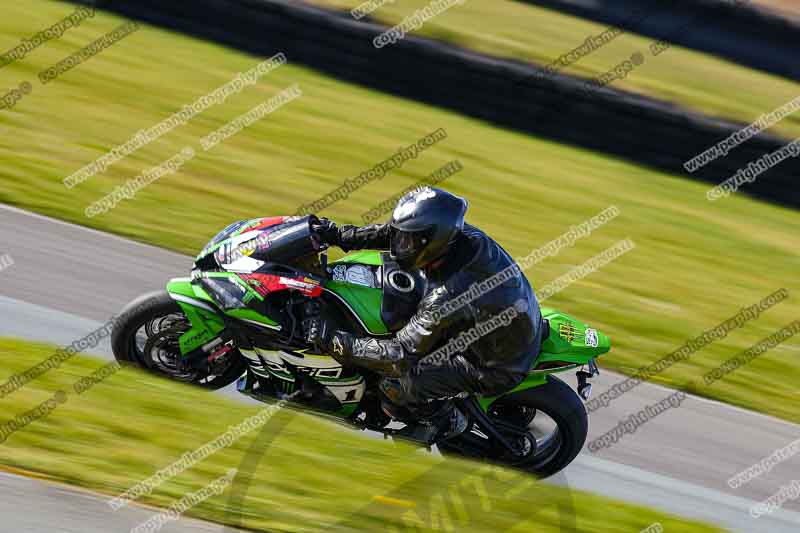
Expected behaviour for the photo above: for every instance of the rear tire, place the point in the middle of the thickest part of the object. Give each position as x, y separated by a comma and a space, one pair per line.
559, 402
150, 307
553, 404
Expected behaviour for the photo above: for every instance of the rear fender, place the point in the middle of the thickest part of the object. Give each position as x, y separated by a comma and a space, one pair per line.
199, 308
571, 344
570, 340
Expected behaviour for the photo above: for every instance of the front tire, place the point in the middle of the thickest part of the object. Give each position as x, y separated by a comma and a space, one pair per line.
158, 316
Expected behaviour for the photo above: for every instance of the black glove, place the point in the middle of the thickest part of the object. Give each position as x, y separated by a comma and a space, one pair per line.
316, 333
335, 343
327, 231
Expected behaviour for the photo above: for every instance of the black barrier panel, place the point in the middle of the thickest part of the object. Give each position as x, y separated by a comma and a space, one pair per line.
736, 30
507, 93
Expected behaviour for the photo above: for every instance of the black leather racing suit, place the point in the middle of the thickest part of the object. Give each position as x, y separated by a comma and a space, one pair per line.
487, 363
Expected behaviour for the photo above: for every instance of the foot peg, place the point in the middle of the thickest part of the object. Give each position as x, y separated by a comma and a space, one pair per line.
442, 426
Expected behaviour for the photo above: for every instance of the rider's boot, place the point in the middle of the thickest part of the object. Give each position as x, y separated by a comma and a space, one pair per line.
445, 423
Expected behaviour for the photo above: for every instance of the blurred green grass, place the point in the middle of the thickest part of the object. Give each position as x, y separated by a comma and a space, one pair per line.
533, 34
696, 263
129, 426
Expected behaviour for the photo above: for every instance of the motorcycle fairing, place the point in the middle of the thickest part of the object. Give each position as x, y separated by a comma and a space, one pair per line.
344, 384
236, 229
570, 342
236, 295
246, 246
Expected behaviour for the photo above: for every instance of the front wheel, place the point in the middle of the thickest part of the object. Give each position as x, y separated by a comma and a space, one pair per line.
548, 424
146, 335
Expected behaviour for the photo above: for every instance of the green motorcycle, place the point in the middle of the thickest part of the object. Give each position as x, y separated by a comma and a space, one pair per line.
239, 317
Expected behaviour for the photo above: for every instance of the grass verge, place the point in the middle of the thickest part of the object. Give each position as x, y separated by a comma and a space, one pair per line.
130, 425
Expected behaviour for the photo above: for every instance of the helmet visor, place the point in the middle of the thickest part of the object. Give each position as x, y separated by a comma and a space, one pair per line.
405, 245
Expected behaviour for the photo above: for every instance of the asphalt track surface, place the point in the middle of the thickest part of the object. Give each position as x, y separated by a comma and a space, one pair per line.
67, 280
34, 506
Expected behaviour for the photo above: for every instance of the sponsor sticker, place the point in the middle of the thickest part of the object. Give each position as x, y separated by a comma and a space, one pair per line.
591, 337
567, 331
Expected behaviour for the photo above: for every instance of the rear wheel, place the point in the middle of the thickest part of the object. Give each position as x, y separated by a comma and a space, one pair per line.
146, 335
547, 425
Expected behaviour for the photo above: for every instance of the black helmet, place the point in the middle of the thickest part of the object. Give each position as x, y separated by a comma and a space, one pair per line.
424, 224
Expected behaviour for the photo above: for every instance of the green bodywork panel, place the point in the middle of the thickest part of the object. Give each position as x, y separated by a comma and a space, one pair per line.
348, 409
530, 381
364, 301
249, 314
364, 257
567, 341
206, 325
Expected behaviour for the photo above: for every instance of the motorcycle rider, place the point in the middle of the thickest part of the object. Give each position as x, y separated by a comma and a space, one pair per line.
427, 231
